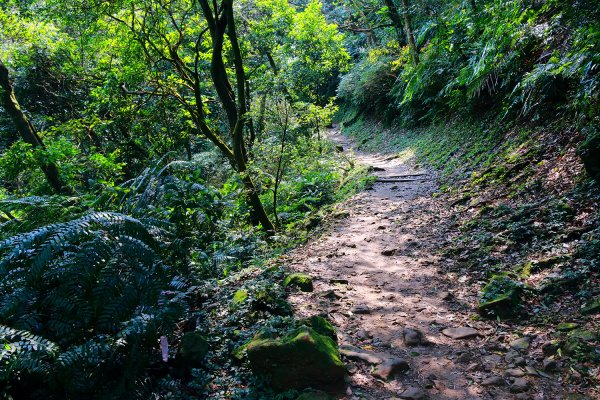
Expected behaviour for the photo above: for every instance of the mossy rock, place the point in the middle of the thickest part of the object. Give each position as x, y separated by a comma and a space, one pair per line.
501, 298
567, 326
314, 395
301, 281
321, 325
533, 266
579, 345
193, 349
584, 334
303, 358
589, 151
592, 308
240, 297
239, 352
266, 300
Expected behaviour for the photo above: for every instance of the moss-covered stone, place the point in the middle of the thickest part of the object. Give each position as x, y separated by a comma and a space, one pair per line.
533, 266
193, 349
321, 325
579, 345
314, 395
240, 297
301, 281
303, 358
584, 334
567, 326
239, 352
501, 298
589, 151
267, 300
592, 308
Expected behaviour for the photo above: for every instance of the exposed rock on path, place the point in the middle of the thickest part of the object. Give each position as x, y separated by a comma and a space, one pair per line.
404, 323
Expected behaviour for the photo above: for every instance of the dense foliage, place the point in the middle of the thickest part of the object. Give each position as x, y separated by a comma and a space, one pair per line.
148, 151
515, 58
155, 154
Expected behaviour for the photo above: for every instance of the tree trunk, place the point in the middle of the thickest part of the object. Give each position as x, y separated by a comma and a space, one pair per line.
395, 17
26, 129
410, 37
239, 148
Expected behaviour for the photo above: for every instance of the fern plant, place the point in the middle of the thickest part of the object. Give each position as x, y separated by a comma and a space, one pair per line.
82, 304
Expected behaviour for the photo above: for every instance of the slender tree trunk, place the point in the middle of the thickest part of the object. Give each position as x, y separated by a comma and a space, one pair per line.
239, 148
251, 128
395, 17
26, 129
261, 117
410, 37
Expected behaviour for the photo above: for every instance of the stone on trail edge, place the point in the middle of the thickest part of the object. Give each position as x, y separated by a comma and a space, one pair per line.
301, 281
355, 353
461, 333
413, 393
390, 367
301, 359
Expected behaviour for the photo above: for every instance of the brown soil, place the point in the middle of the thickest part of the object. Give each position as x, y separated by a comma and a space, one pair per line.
384, 265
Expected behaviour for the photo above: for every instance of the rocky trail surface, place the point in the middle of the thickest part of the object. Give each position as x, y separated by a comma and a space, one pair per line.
404, 323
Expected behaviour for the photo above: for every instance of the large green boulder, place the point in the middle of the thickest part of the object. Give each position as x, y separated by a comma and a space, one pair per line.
320, 325
301, 281
303, 358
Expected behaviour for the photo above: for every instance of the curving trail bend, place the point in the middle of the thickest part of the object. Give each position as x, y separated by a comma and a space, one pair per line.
381, 277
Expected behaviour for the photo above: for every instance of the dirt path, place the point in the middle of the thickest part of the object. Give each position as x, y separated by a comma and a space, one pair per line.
380, 278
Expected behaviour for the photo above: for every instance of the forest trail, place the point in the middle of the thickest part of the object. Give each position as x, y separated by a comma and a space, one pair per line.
380, 277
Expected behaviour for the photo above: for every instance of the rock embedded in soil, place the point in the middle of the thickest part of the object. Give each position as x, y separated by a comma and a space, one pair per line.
493, 381
514, 372
389, 252
298, 280
338, 281
521, 343
361, 309
550, 365
321, 325
330, 295
355, 353
530, 371
567, 326
463, 358
592, 308
413, 393
519, 361
446, 296
390, 367
302, 358
501, 298
413, 337
520, 385
363, 334
461, 333
193, 349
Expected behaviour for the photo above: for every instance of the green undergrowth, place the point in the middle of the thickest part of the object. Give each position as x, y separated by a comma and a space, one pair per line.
92, 285
445, 147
